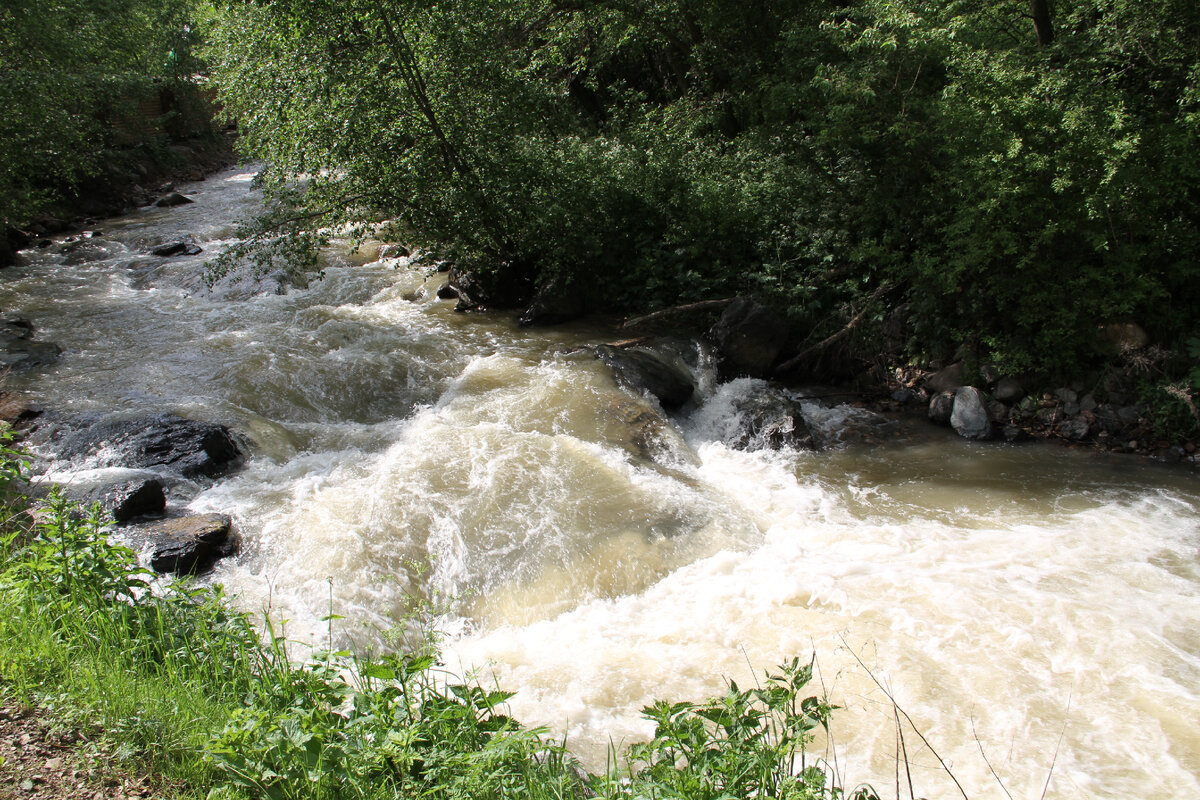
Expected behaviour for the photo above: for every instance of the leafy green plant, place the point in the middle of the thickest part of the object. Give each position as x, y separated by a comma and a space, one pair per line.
172, 679
747, 743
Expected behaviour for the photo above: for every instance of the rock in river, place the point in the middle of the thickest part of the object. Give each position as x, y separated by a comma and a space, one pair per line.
970, 416
173, 199
190, 545
184, 446
131, 499
749, 338
643, 370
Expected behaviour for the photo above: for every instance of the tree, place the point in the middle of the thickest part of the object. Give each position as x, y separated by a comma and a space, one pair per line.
66, 68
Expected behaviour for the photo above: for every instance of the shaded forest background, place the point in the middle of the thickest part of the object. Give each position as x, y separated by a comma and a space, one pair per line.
996, 181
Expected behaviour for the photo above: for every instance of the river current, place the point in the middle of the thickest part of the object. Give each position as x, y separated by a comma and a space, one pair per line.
1032, 610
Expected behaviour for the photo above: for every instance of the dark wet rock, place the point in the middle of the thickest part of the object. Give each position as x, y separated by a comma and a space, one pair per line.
469, 291
1008, 390
447, 292
749, 338
947, 379
1067, 395
643, 370
1028, 406
190, 545
179, 248
769, 420
26, 355
1088, 403
1129, 415
131, 499
1106, 419
1049, 417
1076, 428
393, 251
644, 426
18, 350
1014, 433
997, 411
970, 416
553, 304
80, 250
941, 407
173, 199
190, 448
902, 395
16, 410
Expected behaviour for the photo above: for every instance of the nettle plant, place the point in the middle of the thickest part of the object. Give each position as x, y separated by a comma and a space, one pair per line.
747, 743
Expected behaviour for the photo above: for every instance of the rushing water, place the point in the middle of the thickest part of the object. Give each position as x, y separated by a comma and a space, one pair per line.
1028, 608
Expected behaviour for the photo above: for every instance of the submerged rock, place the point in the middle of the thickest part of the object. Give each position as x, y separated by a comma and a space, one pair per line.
644, 426
190, 448
643, 370
18, 350
190, 545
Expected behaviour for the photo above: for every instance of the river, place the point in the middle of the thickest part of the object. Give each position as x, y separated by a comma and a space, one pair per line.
1029, 608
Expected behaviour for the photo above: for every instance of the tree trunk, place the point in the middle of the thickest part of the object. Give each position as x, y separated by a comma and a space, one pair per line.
1041, 21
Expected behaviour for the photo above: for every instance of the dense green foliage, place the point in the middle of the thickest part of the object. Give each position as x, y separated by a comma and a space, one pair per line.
1002, 192
71, 75
176, 681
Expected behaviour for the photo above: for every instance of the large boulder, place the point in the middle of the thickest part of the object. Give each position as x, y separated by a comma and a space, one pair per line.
190, 545
946, 379
644, 370
749, 338
187, 447
555, 302
1008, 390
469, 290
941, 407
970, 415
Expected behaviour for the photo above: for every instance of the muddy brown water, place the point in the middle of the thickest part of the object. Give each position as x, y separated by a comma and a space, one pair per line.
1034, 603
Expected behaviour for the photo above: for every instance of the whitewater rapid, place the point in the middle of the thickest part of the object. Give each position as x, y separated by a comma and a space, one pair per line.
1026, 608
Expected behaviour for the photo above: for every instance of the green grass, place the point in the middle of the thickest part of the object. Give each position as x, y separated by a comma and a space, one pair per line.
180, 684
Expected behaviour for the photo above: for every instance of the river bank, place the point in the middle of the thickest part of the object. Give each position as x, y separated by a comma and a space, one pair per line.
127, 179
